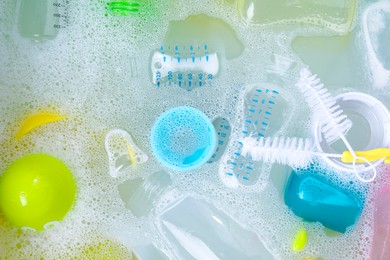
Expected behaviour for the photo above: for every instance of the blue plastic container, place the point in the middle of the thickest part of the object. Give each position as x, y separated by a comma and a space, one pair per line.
314, 200
183, 138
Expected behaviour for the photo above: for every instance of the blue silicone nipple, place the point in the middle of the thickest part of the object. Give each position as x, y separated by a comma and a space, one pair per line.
183, 138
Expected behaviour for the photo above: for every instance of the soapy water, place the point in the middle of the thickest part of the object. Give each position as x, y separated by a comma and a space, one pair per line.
74, 72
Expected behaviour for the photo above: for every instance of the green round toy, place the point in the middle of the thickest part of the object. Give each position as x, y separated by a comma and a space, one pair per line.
35, 190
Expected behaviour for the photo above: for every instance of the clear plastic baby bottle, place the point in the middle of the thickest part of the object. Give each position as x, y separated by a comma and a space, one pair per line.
267, 109
41, 20
193, 52
336, 15
193, 227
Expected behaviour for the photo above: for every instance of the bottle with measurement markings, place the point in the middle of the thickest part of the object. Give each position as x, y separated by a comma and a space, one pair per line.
280, 75
187, 67
191, 226
266, 111
336, 15
39, 20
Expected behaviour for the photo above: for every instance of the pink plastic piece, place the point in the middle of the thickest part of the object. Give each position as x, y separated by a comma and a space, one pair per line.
381, 241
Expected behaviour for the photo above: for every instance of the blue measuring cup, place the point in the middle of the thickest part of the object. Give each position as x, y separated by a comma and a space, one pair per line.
183, 138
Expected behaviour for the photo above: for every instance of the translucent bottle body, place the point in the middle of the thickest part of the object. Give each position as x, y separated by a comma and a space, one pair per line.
39, 19
336, 14
193, 52
259, 104
198, 230
267, 109
192, 227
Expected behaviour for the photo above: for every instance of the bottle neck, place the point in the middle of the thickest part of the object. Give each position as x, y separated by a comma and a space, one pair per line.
280, 70
148, 193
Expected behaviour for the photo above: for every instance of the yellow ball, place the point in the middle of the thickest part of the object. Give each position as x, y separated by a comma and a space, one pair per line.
35, 190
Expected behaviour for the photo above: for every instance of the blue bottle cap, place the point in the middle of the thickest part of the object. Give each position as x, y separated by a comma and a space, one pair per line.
183, 138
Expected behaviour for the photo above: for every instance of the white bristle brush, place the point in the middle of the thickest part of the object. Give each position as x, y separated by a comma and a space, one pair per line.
334, 123
292, 151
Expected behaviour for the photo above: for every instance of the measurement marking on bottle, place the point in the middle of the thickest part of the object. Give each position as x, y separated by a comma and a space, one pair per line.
223, 129
61, 13
184, 66
258, 113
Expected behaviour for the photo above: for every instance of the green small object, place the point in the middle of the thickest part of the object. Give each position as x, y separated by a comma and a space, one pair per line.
122, 8
36, 190
300, 240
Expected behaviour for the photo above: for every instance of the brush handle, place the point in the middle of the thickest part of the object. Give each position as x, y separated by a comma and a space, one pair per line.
357, 158
371, 155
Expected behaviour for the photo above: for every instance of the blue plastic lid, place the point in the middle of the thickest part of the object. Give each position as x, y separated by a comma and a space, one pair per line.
313, 199
183, 138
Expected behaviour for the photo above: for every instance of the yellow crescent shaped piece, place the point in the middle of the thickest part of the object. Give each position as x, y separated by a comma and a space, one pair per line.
37, 120
370, 155
300, 240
